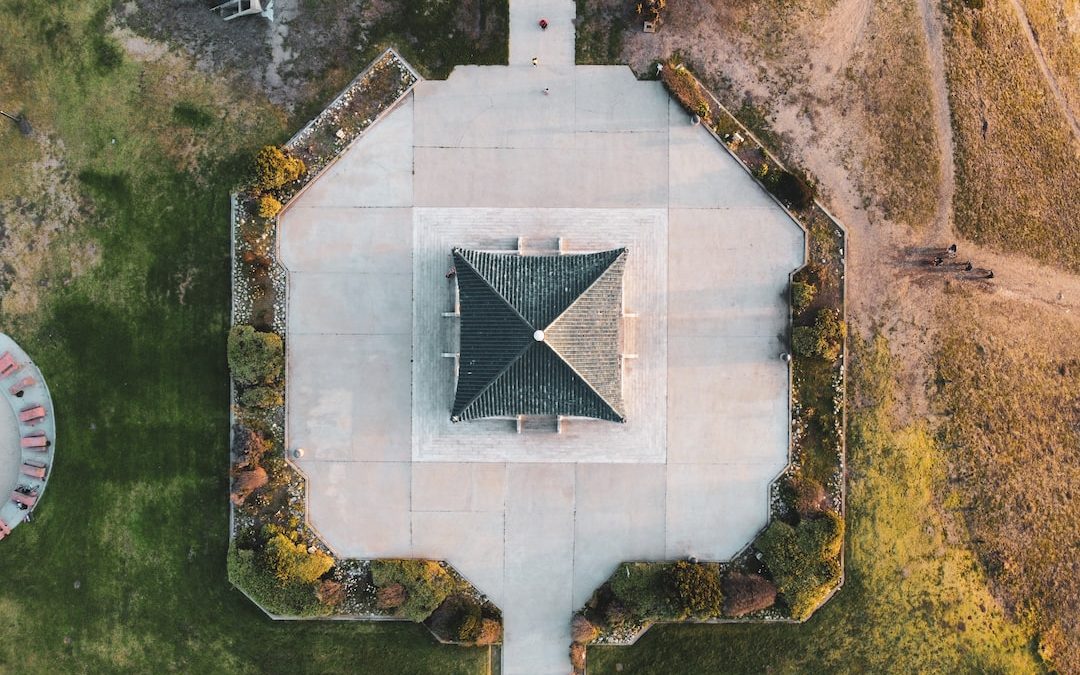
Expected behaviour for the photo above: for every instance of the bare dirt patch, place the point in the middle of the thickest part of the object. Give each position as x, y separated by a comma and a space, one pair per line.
41, 234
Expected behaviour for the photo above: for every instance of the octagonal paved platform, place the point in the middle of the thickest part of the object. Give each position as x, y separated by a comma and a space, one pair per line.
537, 521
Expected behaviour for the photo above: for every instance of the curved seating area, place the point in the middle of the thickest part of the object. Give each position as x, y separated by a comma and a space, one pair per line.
27, 442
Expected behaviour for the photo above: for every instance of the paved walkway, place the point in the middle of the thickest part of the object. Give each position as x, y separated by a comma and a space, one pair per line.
534, 522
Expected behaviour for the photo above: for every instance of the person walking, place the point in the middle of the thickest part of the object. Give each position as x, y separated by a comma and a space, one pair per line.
536, 61
543, 24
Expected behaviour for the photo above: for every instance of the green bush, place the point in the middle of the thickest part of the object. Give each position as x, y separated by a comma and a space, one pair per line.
247, 573
647, 590
458, 619
802, 294
255, 357
698, 587
426, 584
824, 339
273, 168
261, 397
803, 560
292, 563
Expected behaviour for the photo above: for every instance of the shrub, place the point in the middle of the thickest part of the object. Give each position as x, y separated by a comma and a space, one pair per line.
268, 206
803, 559
647, 590
824, 339
698, 587
247, 482
582, 630
577, 657
245, 572
747, 593
249, 446
490, 632
802, 294
426, 584
390, 597
458, 619
330, 593
261, 397
790, 189
805, 496
255, 357
273, 168
292, 563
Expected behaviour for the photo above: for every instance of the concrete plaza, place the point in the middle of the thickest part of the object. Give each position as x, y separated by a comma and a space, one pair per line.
537, 521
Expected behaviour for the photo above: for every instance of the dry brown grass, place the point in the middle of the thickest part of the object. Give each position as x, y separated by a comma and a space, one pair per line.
1009, 388
1056, 24
1017, 165
891, 85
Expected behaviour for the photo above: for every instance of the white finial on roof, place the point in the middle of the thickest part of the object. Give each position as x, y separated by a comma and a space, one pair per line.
538, 336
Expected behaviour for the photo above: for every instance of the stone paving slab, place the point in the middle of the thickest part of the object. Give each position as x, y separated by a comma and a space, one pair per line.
349, 398
713, 511
362, 509
351, 239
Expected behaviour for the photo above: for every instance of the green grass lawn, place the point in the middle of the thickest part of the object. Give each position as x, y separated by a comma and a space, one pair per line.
914, 601
123, 568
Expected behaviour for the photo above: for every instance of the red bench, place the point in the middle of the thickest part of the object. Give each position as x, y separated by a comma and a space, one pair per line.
8, 365
37, 441
22, 385
33, 470
24, 499
32, 414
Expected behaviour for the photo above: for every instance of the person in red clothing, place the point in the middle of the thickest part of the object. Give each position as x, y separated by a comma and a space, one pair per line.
543, 24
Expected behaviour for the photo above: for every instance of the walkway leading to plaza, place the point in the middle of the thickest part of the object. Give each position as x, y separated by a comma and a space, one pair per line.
479, 160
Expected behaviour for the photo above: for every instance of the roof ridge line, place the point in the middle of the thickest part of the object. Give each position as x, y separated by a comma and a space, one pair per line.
607, 270
457, 253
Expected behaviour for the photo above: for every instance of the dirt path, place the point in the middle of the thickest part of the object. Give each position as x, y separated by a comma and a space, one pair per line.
1044, 68
942, 225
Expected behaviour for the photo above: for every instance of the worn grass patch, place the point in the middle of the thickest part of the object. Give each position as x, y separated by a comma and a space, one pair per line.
1016, 160
599, 31
123, 568
913, 601
1009, 391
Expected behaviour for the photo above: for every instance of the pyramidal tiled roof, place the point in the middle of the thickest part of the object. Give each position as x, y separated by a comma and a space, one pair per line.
507, 367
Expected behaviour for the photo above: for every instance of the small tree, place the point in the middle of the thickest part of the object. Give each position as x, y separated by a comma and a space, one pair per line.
255, 357
802, 294
273, 168
390, 597
268, 206
292, 563
792, 190
803, 559
698, 586
647, 590
426, 584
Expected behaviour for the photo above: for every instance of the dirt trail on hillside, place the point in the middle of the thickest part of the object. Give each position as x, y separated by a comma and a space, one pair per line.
932, 30
1044, 68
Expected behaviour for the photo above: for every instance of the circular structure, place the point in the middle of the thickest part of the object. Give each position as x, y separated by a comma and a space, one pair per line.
27, 434
538, 336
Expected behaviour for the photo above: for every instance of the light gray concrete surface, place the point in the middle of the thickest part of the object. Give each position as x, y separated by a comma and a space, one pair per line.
10, 452
538, 521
